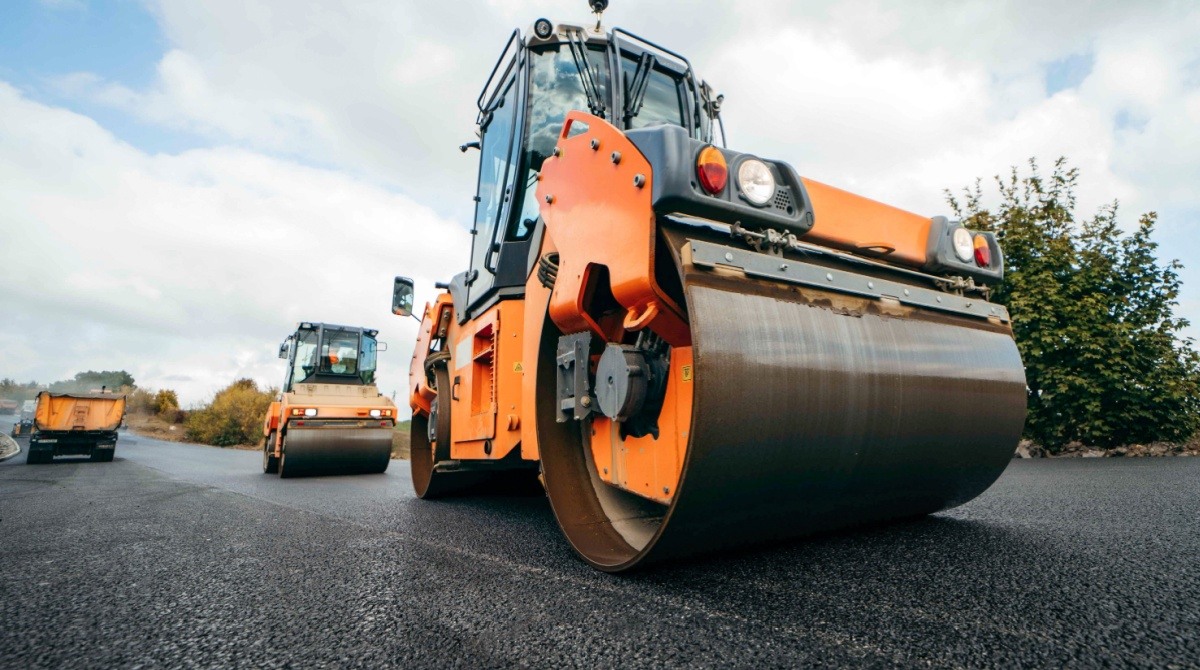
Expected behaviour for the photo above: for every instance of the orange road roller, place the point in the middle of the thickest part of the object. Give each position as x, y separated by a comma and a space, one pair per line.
329, 418
697, 348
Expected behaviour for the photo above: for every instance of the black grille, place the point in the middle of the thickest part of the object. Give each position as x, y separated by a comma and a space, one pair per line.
783, 200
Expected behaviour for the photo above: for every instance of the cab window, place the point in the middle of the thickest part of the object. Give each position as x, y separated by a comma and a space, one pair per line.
367, 361
494, 163
555, 88
664, 102
306, 355
339, 352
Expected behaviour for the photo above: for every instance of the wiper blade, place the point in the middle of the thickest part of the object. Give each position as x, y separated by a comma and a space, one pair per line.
590, 88
636, 95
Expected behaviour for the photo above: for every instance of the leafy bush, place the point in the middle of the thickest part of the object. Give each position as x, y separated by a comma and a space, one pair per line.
165, 401
1093, 314
234, 416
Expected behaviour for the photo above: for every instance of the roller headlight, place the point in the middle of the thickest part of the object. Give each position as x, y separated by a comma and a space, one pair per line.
964, 246
375, 414
756, 182
310, 412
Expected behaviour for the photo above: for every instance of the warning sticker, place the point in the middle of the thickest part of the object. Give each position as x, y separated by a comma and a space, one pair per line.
517, 367
687, 373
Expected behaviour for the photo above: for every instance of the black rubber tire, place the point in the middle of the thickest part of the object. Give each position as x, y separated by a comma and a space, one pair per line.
441, 416
284, 473
270, 461
425, 453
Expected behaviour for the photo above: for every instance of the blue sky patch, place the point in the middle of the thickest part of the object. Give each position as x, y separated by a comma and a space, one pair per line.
117, 40
1068, 72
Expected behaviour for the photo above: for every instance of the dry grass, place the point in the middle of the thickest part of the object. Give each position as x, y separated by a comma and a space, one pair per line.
401, 440
154, 426
151, 425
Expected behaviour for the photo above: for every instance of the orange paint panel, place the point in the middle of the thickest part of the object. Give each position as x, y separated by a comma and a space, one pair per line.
488, 368
420, 395
272, 421
851, 222
78, 411
644, 465
598, 211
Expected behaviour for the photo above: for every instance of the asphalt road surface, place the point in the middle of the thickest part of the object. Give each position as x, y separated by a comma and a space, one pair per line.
188, 556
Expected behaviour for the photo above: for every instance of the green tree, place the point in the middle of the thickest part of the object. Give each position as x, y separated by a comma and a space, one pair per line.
1093, 314
14, 390
86, 381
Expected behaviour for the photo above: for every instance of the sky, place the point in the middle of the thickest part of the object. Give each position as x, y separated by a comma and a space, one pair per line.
181, 182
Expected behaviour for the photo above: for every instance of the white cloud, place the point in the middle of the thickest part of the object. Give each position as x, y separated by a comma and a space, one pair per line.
194, 265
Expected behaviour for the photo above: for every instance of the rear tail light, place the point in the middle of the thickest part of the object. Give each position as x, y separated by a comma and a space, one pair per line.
983, 252
712, 170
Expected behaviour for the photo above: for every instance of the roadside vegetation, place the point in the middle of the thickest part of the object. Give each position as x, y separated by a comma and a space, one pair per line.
402, 439
155, 414
233, 417
1093, 312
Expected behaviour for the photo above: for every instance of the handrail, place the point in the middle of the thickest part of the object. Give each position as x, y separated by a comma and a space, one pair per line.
483, 94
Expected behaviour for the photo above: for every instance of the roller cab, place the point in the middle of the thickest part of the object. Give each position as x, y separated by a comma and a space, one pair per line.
329, 418
696, 347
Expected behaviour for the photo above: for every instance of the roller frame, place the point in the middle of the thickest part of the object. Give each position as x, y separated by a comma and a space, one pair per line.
821, 396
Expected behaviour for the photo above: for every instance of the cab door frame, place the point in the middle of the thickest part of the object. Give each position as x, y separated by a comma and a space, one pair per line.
488, 229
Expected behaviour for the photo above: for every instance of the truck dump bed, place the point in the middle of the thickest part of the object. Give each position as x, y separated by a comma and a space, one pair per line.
79, 411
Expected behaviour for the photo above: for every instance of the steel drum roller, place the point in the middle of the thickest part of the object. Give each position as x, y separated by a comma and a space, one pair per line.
808, 416
335, 451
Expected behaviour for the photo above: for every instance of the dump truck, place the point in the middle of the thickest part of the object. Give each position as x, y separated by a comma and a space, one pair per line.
330, 417
24, 424
75, 424
697, 348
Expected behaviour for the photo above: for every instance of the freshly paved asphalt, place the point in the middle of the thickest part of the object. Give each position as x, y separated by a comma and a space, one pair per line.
178, 555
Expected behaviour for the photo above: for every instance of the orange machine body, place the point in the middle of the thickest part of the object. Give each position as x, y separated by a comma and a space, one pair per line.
853, 223
332, 402
608, 284
686, 340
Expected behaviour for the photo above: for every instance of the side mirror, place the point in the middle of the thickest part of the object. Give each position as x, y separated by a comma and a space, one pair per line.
283, 350
381, 346
402, 297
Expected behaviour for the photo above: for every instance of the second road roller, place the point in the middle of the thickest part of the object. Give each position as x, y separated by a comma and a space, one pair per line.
698, 347
329, 418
